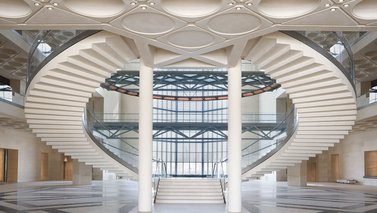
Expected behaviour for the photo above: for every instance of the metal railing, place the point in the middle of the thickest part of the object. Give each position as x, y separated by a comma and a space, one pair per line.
125, 153
48, 44
190, 117
332, 45
118, 153
262, 132
161, 168
262, 151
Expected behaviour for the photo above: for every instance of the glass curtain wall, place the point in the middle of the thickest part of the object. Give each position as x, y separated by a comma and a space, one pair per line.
193, 137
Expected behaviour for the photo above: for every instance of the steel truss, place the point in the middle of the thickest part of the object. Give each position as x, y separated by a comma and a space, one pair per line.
253, 83
189, 132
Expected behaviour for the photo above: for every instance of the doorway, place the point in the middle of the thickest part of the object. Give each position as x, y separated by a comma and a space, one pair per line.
44, 166
8, 165
335, 168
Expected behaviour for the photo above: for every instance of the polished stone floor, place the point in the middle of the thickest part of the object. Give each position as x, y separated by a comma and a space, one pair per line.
121, 196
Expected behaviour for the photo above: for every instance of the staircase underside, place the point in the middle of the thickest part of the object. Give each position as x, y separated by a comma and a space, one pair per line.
322, 95
57, 96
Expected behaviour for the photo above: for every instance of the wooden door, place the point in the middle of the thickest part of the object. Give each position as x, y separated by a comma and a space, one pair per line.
335, 168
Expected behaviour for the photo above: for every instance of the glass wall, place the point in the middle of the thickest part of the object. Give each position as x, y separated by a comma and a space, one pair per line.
192, 134
6, 92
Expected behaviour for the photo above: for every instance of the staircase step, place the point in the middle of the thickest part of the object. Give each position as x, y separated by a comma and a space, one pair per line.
175, 190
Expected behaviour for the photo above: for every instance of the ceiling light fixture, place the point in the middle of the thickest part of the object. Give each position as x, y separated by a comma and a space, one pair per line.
143, 7
151, 3
249, 4
340, 1
332, 9
50, 8
327, 5
37, 4
133, 3
230, 3
346, 5
55, 4
238, 8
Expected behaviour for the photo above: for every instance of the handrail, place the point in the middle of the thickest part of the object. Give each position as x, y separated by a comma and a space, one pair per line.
348, 49
222, 177
89, 125
156, 189
32, 72
11, 103
348, 74
164, 170
246, 117
223, 189
279, 144
215, 167
100, 145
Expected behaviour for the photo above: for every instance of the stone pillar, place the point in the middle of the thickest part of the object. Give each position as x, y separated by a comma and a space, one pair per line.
82, 174
234, 139
297, 174
145, 138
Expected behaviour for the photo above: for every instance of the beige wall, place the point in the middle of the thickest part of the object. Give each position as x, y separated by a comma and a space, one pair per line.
29, 154
111, 100
129, 104
351, 158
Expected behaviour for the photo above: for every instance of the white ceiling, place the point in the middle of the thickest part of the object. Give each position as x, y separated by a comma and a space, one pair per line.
190, 32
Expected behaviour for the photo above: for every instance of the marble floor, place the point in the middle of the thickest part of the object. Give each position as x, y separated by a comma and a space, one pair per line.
121, 196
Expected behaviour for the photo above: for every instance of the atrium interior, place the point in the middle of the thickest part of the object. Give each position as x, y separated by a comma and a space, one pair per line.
188, 106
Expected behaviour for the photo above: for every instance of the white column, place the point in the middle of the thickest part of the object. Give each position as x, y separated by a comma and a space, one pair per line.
234, 139
145, 138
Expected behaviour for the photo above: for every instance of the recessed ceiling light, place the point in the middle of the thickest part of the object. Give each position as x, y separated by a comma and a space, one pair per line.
50, 8
37, 4
340, 1
249, 4
238, 8
55, 4
143, 7
133, 3
230, 3
327, 5
332, 9
151, 3
346, 5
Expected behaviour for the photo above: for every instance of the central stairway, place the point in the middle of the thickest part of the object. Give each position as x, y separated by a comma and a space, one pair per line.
193, 190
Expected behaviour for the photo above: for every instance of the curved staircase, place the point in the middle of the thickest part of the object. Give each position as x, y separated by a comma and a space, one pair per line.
323, 97
57, 96
322, 94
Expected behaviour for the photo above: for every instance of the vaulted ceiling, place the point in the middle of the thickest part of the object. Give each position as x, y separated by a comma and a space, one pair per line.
184, 33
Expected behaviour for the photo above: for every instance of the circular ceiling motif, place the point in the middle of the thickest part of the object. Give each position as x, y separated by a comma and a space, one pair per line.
234, 23
191, 8
366, 10
148, 23
96, 8
191, 39
14, 9
288, 8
